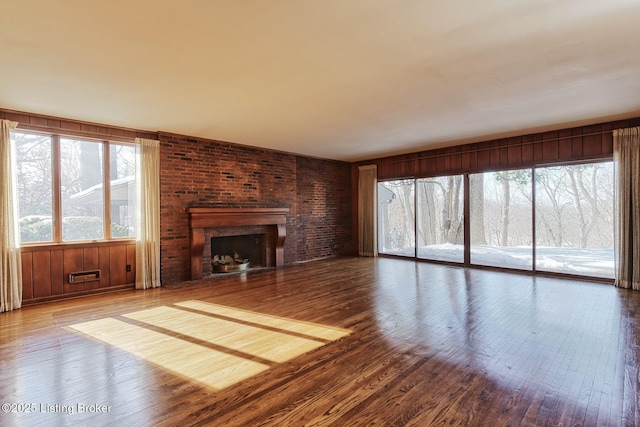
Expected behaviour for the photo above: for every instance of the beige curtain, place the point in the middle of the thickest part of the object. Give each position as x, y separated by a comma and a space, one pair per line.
626, 149
148, 213
10, 262
367, 210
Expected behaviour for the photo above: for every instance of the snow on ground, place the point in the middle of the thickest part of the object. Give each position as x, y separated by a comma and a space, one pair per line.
587, 262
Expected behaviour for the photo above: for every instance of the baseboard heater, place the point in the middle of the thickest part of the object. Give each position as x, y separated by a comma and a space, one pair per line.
84, 276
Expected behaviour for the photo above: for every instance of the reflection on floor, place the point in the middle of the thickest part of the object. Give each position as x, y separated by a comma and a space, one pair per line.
214, 345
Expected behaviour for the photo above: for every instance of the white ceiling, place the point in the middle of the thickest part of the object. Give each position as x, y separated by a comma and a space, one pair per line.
339, 79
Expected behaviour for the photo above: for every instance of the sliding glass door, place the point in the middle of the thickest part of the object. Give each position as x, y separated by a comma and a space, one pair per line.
440, 218
501, 219
574, 215
574, 219
396, 217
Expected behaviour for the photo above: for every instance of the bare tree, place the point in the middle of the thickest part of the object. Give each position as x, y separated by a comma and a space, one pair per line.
440, 210
406, 198
451, 214
90, 156
550, 210
478, 233
503, 178
399, 231
575, 206
34, 174
427, 211
581, 190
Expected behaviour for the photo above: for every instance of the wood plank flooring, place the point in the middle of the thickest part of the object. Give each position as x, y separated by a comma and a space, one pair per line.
344, 342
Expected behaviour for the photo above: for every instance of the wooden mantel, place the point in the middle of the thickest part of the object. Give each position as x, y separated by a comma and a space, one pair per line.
201, 218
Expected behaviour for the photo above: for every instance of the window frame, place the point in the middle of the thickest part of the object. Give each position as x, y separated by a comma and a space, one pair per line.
421, 217
467, 218
56, 190
412, 236
530, 220
568, 273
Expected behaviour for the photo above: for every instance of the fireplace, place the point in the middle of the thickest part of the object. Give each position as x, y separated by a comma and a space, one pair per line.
237, 253
207, 224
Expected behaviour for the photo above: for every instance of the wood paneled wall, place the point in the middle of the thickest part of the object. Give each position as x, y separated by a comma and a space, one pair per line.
46, 269
561, 146
39, 122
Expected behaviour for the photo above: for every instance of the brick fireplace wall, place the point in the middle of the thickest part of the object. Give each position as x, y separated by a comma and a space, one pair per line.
324, 203
205, 173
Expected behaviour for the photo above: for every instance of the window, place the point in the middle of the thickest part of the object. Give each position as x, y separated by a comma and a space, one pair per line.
574, 219
81, 190
440, 218
396, 217
34, 186
501, 219
574, 211
60, 177
123, 190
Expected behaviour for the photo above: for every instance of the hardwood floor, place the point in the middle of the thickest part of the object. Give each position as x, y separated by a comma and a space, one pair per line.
425, 345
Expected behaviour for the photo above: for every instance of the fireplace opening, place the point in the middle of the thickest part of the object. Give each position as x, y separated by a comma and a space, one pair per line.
237, 253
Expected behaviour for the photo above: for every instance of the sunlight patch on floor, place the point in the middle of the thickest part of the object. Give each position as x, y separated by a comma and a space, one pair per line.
233, 343
290, 325
216, 369
264, 343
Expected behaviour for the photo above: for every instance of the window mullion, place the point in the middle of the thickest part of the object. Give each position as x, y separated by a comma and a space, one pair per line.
56, 190
467, 221
534, 242
106, 193
415, 218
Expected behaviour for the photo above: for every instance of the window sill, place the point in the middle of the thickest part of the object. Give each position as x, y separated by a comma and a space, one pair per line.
33, 247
